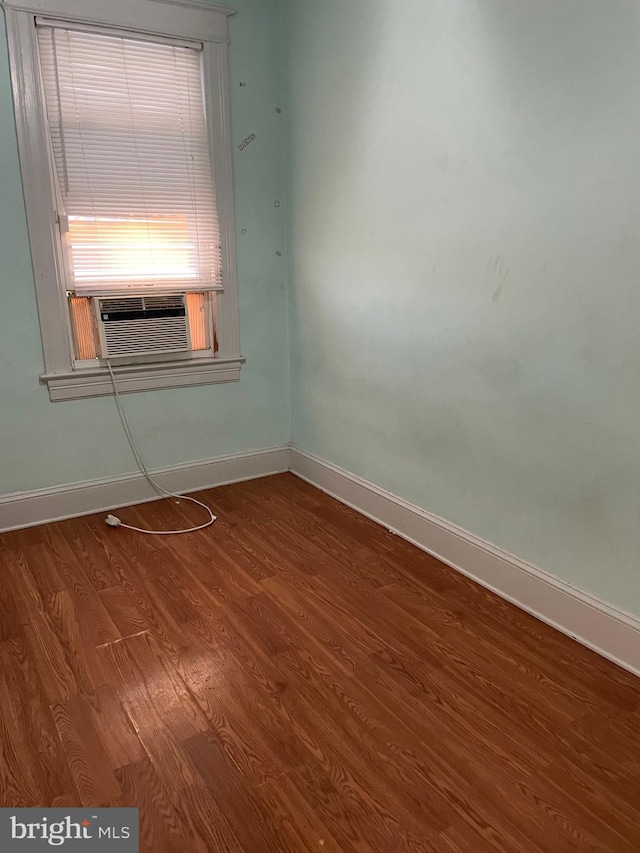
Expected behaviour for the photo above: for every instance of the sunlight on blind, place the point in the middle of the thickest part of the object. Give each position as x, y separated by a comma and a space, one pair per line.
140, 249
135, 185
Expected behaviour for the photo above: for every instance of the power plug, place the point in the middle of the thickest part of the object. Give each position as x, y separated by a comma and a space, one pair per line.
113, 521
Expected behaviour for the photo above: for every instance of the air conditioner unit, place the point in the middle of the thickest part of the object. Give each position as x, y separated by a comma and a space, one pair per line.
142, 325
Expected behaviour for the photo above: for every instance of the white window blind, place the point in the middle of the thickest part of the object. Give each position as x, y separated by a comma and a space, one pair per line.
132, 162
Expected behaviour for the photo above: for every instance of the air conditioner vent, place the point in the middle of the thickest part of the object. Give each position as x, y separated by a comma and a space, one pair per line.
143, 303
146, 336
144, 325
129, 304
170, 300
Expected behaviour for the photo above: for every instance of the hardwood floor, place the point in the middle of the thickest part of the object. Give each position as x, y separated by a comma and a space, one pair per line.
296, 678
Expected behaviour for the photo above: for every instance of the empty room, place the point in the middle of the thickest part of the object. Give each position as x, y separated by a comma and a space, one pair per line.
320, 426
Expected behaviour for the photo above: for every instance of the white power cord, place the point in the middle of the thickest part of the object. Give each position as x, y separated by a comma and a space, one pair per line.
113, 520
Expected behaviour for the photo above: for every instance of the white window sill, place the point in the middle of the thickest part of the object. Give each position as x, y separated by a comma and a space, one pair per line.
96, 382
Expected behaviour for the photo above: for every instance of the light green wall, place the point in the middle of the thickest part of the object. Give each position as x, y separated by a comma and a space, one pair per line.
464, 207
45, 444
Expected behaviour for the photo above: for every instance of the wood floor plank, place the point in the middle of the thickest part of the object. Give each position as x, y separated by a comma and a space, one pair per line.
56, 568
415, 789
88, 761
9, 618
229, 567
599, 767
429, 607
59, 677
251, 617
358, 821
24, 591
225, 563
448, 720
614, 734
123, 611
253, 826
33, 766
60, 631
351, 552
135, 574
580, 817
519, 670
296, 819
293, 524
396, 626
18, 784
90, 542
229, 647
73, 630
197, 601
343, 720
337, 750
461, 838
114, 727
345, 814
296, 678
160, 707
357, 631
275, 546
255, 823
310, 625
541, 734
570, 666
164, 825
232, 706
205, 819
46, 569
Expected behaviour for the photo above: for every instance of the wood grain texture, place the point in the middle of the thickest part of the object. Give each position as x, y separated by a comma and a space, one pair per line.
33, 767
87, 758
122, 611
114, 728
295, 678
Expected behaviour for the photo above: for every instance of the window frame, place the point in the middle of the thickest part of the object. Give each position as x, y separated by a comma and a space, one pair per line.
194, 20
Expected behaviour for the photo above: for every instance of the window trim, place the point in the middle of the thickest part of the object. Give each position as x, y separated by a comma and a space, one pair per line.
188, 19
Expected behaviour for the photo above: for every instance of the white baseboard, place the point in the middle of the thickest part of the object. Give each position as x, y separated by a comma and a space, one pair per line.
26, 509
609, 632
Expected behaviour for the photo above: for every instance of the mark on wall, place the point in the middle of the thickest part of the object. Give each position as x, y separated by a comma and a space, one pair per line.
251, 138
498, 270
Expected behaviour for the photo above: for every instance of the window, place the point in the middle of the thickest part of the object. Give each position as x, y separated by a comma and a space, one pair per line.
122, 117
